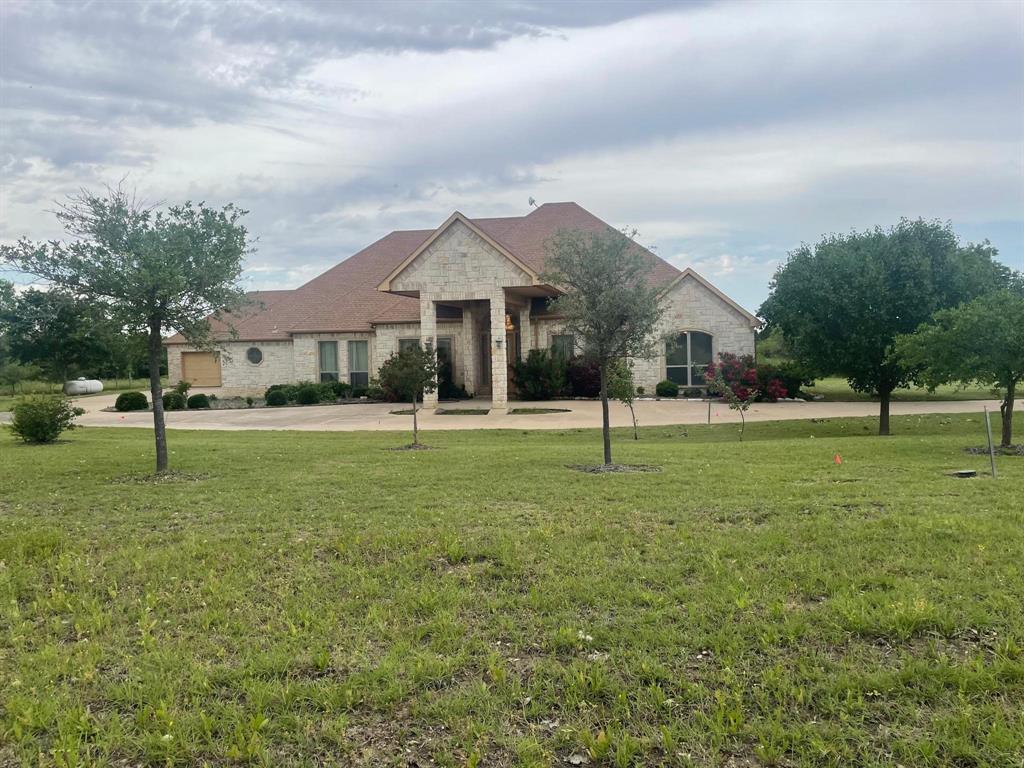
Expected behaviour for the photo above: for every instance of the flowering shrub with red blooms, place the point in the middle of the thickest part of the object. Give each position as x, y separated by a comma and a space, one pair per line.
775, 390
740, 374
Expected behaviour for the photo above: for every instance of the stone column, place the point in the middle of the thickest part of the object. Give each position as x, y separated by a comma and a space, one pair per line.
428, 337
499, 354
525, 332
469, 360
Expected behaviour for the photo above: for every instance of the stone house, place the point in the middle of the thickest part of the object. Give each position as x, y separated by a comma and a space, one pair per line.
470, 288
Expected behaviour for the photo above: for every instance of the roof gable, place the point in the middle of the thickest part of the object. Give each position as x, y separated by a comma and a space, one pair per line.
690, 273
453, 220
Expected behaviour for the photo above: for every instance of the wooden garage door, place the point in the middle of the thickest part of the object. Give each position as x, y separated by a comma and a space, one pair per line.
201, 368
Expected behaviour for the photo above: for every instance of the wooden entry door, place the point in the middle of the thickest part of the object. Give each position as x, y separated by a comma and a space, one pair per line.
202, 369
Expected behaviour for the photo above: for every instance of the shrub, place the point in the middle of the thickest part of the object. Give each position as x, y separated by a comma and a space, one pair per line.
287, 391
584, 377
308, 393
199, 401
131, 401
667, 388
248, 402
736, 371
358, 392
182, 387
373, 392
541, 376
640, 391
792, 377
276, 397
693, 392
340, 389
174, 401
41, 419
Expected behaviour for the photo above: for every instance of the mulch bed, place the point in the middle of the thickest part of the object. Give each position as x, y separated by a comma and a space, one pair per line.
603, 469
1011, 450
411, 447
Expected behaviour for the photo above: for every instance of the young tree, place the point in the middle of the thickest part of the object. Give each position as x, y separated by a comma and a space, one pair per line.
408, 375
150, 271
738, 394
609, 302
622, 388
13, 373
841, 303
981, 341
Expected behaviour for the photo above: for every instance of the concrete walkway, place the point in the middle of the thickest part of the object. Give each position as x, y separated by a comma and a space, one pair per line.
580, 414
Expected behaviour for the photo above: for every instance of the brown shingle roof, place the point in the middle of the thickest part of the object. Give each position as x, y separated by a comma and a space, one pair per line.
345, 297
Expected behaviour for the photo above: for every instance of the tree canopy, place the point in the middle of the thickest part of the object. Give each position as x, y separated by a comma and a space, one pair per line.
842, 302
609, 303
147, 270
981, 341
408, 375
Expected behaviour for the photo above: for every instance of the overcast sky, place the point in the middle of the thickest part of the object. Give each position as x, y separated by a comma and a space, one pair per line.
727, 133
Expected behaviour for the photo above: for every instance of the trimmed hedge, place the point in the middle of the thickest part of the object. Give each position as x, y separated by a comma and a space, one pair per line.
276, 397
199, 401
131, 401
174, 401
667, 388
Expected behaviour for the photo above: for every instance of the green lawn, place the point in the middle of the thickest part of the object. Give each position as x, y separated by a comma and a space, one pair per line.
7, 400
836, 389
312, 598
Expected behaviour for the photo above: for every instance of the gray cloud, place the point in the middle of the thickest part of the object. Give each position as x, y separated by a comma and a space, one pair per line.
728, 132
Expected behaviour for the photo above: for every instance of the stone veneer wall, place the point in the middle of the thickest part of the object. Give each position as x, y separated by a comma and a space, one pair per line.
692, 307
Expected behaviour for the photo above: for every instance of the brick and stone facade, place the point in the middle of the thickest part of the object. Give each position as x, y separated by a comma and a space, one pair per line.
471, 289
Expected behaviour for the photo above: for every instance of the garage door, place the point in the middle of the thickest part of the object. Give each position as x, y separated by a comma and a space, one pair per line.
201, 368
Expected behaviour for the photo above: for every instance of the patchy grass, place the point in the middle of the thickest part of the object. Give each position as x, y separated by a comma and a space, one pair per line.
317, 600
838, 390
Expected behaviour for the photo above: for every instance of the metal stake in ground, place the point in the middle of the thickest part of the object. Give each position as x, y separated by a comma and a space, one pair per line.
991, 450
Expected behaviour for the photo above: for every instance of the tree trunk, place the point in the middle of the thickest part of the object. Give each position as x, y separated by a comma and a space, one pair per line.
883, 411
605, 426
743, 424
157, 394
1006, 410
415, 424
636, 433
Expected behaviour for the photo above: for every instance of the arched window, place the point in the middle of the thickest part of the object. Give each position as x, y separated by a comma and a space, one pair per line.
254, 355
686, 356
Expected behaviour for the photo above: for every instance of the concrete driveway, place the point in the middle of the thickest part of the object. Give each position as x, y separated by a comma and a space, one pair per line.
580, 414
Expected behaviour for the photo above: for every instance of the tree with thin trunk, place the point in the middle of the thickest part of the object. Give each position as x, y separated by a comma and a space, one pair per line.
622, 388
979, 342
609, 302
841, 303
148, 270
408, 376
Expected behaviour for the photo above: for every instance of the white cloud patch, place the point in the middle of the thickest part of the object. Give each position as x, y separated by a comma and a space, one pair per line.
726, 133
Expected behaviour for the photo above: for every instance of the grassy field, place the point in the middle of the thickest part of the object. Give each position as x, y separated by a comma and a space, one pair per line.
7, 400
837, 390
316, 599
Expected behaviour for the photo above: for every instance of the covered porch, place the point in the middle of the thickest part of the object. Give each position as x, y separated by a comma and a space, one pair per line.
497, 330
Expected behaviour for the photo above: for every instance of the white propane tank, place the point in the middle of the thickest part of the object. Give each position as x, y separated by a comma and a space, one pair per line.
83, 386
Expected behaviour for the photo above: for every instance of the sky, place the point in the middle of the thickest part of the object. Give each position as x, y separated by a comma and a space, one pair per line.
725, 133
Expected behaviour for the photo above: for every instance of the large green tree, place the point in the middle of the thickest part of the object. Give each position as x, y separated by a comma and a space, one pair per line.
980, 342
609, 303
842, 302
150, 271
56, 332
